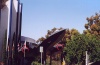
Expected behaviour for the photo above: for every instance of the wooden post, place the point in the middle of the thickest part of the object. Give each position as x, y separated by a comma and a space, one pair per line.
51, 58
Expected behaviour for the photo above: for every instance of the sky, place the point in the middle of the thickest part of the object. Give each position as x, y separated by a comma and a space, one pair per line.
42, 15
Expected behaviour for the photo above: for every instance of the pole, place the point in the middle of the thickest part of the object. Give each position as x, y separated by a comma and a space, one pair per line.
41, 58
44, 56
24, 56
41, 50
16, 40
51, 58
87, 58
24, 53
20, 22
9, 59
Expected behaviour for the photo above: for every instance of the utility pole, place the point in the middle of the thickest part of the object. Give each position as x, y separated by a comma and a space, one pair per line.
41, 50
87, 58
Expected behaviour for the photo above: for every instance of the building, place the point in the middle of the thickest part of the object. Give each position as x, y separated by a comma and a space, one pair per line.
31, 43
10, 24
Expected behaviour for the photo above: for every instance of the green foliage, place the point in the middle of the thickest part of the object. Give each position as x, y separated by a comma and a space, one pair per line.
76, 47
35, 63
77, 43
93, 24
70, 34
93, 32
94, 48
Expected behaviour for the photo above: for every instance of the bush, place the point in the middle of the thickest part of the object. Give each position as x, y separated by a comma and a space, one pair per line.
35, 63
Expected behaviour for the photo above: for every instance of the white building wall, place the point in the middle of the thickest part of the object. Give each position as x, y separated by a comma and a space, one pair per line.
14, 16
3, 25
4, 21
19, 19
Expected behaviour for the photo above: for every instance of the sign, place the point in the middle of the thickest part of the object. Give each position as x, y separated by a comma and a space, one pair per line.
41, 49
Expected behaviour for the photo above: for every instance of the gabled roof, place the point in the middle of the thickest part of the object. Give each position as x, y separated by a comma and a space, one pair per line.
51, 41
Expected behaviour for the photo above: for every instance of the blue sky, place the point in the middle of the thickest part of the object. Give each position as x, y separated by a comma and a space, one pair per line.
42, 15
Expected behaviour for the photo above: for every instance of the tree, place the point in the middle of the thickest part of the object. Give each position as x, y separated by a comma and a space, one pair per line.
93, 24
75, 49
93, 32
49, 33
94, 48
70, 34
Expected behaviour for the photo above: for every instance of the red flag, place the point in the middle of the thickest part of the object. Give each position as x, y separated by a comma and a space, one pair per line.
24, 47
18, 47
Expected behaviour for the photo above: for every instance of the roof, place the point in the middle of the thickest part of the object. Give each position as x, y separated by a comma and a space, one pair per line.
48, 45
23, 38
52, 40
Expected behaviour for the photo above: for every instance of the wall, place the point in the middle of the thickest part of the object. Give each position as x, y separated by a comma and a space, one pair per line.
5, 11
